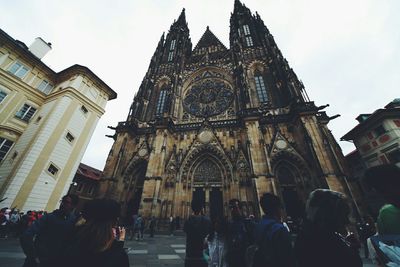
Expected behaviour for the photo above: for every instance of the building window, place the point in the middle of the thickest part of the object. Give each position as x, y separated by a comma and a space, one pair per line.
18, 69
84, 110
45, 87
161, 102
379, 130
53, 170
394, 156
26, 112
249, 41
91, 189
2, 95
172, 46
170, 56
70, 137
5, 146
261, 90
80, 187
246, 29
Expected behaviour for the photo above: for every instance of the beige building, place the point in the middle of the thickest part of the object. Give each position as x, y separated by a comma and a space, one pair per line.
46, 121
377, 136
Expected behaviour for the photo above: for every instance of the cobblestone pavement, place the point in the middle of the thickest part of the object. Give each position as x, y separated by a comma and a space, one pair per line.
159, 251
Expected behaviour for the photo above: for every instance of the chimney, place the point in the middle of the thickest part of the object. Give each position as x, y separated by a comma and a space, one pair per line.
39, 47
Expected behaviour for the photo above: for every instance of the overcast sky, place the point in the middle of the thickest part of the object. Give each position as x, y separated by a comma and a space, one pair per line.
346, 52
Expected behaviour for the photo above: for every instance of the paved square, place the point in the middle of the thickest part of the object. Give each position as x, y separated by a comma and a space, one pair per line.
159, 251
168, 257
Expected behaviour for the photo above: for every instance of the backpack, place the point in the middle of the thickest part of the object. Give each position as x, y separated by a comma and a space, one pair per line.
255, 256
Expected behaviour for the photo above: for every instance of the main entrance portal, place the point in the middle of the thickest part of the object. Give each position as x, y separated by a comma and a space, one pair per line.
214, 206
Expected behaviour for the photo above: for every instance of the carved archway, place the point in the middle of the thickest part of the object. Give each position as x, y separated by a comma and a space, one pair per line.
293, 180
210, 153
134, 178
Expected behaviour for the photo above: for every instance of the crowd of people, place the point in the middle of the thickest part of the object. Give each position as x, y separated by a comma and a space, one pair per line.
13, 222
325, 237
93, 237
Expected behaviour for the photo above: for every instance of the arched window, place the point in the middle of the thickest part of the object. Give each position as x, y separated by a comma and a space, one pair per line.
161, 102
260, 88
207, 171
249, 40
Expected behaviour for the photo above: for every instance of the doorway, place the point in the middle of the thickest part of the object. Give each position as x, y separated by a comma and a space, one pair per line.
199, 196
216, 203
293, 204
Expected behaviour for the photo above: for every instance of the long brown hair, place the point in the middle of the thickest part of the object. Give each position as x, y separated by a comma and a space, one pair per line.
96, 235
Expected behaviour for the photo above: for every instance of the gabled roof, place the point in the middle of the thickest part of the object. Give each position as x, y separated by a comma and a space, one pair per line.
373, 119
89, 172
23, 50
208, 39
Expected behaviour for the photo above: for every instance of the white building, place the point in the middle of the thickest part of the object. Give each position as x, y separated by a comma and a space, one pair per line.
46, 122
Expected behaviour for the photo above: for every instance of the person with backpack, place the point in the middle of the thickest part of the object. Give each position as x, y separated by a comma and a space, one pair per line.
138, 228
238, 236
272, 245
196, 228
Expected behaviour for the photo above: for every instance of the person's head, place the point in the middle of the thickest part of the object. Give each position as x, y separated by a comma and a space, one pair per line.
69, 203
385, 179
271, 205
235, 208
328, 210
101, 216
197, 207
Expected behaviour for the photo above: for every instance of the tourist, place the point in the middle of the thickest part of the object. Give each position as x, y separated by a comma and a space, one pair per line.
216, 243
177, 223
272, 238
238, 236
321, 241
95, 243
196, 228
385, 179
138, 228
171, 225
44, 241
4, 222
152, 225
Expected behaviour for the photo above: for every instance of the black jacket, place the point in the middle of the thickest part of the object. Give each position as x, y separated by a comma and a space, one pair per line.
315, 249
77, 255
46, 238
196, 229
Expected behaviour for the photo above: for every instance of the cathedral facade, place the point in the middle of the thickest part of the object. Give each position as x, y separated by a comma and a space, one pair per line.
214, 123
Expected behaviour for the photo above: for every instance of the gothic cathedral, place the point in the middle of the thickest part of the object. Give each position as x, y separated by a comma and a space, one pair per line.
214, 123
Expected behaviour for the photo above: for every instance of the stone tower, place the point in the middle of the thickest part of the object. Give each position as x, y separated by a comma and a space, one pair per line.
215, 123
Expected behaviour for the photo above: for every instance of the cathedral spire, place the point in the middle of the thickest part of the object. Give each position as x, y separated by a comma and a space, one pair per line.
238, 6
182, 18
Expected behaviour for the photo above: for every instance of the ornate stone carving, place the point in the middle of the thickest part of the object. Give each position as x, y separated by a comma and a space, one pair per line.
208, 98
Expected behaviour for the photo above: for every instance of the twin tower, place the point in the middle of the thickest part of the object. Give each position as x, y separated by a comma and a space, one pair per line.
213, 123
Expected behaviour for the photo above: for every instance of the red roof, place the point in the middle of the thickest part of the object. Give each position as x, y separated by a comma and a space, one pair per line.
89, 172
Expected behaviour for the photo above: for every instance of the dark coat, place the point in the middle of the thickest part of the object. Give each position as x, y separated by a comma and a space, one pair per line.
77, 255
50, 233
315, 248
